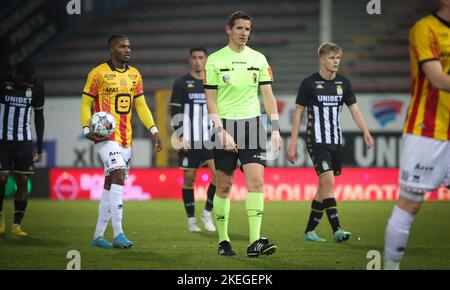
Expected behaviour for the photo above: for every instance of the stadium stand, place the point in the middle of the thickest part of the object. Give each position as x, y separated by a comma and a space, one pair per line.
286, 31
162, 31
376, 52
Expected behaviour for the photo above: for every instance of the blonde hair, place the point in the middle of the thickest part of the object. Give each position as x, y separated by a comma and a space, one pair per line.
327, 47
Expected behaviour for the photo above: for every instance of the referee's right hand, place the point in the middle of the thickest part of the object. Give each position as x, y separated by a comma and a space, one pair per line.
228, 142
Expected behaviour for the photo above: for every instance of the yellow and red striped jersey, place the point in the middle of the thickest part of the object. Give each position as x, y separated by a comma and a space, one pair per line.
114, 91
429, 112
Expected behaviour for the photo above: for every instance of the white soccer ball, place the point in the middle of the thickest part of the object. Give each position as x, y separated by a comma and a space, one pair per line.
103, 123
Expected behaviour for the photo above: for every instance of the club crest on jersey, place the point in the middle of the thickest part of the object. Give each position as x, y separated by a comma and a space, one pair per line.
185, 162
319, 87
325, 165
339, 90
226, 78
28, 93
123, 82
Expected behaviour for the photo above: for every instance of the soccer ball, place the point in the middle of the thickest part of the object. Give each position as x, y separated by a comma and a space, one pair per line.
103, 123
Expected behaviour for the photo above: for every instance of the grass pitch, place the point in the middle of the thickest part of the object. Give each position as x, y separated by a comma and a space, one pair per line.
159, 230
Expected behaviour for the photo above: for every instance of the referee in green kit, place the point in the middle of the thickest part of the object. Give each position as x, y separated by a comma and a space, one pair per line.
233, 77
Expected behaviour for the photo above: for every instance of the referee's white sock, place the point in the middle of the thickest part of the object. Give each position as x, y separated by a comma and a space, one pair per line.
397, 232
104, 214
116, 205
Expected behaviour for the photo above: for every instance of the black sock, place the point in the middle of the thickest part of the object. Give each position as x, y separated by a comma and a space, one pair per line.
19, 211
330, 206
315, 215
189, 202
210, 197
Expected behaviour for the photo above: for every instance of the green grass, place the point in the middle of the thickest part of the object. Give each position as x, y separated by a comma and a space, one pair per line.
159, 230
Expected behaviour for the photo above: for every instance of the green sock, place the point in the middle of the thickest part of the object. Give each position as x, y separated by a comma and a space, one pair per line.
255, 206
221, 212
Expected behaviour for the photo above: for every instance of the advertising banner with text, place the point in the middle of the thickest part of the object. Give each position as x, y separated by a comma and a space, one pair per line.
281, 184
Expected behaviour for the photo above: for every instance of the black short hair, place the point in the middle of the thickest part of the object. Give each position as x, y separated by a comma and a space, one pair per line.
237, 15
115, 37
198, 48
25, 68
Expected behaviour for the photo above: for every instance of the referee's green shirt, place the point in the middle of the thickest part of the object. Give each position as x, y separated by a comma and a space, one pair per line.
236, 76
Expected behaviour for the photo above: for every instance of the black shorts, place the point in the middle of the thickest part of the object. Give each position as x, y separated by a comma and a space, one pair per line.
325, 158
16, 156
250, 137
194, 158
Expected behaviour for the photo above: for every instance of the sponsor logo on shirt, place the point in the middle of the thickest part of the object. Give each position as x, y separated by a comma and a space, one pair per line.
28, 92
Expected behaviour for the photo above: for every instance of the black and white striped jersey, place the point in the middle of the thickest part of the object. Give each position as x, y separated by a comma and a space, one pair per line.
16, 105
189, 99
324, 100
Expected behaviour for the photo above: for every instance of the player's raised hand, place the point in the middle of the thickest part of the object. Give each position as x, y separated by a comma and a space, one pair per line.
157, 143
292, 153
95, 137
368, 139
